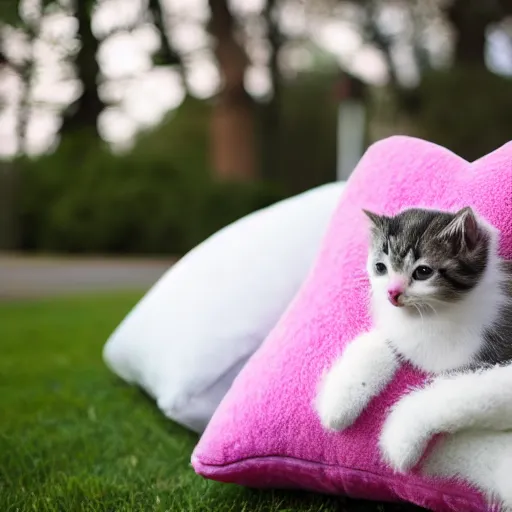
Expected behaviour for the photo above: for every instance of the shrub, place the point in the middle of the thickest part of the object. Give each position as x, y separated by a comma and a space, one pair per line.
105, 203
159, 198
466, 109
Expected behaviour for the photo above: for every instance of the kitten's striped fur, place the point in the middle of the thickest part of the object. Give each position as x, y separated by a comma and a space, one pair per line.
462, 251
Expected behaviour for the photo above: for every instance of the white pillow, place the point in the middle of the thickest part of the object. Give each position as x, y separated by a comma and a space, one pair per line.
190, 335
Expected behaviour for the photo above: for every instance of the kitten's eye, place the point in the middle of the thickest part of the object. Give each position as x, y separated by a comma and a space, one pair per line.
380, 268
422, 273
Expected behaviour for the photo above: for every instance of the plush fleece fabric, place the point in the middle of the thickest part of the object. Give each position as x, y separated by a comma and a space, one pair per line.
266, 432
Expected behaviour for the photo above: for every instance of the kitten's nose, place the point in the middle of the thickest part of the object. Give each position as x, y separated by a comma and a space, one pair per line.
394, 295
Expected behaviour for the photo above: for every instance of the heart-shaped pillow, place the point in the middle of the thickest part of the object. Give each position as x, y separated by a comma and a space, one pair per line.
266, 431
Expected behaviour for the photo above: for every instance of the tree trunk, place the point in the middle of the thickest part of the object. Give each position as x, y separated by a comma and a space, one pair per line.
84, 113
272, 111
233, 142
470, 19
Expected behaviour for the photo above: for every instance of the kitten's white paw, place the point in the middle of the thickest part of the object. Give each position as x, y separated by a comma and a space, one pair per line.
336, 412
341, 399
404, 437
362, 371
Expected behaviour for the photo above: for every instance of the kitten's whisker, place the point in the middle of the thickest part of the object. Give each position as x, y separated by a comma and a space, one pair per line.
419, 311
432, 308
427, 305
436, 301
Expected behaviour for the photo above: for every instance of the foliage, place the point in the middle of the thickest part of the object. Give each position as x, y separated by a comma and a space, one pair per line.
73, 437
9, 12
159, 198
307, 135
162, 196
465, 109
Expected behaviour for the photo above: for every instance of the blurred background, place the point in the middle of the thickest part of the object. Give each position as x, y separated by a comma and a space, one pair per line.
130, 130
143, 126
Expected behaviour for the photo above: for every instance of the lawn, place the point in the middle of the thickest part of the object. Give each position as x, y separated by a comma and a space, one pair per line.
75, 438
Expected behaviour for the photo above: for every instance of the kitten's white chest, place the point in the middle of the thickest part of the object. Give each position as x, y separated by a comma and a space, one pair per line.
447, 338
434, 347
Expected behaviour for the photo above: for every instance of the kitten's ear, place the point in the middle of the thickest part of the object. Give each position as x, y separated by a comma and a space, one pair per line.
376, 220
464, 227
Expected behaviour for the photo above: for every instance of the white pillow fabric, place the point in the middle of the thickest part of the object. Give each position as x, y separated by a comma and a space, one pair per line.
190, 335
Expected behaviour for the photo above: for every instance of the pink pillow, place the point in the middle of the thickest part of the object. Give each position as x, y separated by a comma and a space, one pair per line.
266, 432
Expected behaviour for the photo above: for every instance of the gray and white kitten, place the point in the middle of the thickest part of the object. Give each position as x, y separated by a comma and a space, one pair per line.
450, 294
440, 290
440, 299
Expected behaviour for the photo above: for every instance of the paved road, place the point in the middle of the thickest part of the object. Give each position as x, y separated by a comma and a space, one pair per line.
25, 277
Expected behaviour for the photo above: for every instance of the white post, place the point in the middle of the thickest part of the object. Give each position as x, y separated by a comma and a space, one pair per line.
351, 135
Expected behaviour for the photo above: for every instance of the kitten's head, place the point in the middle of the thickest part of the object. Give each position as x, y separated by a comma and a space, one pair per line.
421, 257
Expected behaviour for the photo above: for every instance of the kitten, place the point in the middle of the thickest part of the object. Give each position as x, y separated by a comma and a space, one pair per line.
447, 287
440, 299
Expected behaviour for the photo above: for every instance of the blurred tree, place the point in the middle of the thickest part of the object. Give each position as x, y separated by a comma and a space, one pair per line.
271, 125
233, 141
83, 114
471, 20
167, 173
167, 54
9, 226
431, 106
443, 94
29, 24
9, 12
26, 70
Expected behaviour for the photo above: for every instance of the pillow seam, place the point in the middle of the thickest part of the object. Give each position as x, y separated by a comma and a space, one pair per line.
321, 463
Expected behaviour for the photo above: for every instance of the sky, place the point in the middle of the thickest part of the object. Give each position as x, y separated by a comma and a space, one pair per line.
140, 94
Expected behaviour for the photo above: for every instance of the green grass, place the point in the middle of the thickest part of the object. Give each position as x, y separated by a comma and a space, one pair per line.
75, 438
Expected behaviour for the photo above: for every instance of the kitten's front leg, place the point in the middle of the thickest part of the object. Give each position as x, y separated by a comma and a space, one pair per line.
363, 370
406, 433
473, 400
